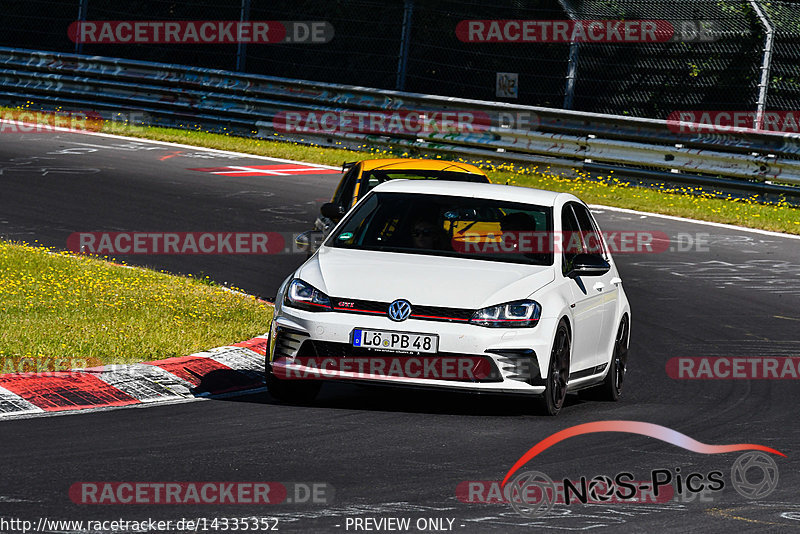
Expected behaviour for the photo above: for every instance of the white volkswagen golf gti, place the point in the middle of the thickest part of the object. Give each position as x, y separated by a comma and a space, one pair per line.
478, 287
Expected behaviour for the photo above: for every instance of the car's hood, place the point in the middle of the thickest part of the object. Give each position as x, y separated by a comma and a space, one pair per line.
422, 280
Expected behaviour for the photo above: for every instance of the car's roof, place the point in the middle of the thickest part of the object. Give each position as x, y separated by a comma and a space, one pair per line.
510, 193
419, 164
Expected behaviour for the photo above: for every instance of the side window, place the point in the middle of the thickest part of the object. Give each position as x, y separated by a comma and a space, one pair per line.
589, 231
571, 243
344, 194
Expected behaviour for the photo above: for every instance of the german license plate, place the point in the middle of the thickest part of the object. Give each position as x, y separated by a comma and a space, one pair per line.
396, 341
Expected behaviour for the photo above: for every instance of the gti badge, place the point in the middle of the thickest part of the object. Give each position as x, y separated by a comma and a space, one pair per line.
399, 310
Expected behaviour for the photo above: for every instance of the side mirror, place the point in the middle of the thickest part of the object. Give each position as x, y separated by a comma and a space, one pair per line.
332, 211
309, 241
588, 265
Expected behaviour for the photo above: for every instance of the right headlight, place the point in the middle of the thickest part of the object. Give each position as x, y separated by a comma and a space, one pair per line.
301, 295
517, 314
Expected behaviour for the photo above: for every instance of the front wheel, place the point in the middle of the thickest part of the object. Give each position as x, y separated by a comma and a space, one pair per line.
557, 372
611, 388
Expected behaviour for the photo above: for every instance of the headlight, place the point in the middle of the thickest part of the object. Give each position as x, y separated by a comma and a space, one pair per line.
306, 297
517, 314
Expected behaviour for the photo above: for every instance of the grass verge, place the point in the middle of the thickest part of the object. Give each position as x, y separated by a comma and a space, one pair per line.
60, 311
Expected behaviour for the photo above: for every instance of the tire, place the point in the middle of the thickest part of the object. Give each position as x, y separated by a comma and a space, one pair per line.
611, 388
557, 372
292, 391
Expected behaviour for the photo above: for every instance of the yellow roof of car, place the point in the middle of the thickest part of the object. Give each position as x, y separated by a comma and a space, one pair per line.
420, 164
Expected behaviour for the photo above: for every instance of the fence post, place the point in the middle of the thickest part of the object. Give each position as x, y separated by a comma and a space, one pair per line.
766, 63
572, 74
405, 38
83, 6
572, 62
241, 49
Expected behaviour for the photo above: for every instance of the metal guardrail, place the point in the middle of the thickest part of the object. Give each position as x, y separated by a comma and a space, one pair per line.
246, 104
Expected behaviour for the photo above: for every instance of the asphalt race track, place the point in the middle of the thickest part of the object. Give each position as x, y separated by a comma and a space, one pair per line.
398, 453
54, 185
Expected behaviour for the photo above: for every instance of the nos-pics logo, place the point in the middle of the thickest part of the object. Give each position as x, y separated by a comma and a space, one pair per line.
754, 474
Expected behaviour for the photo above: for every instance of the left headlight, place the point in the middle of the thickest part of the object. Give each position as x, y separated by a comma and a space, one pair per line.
301, 295
517, 314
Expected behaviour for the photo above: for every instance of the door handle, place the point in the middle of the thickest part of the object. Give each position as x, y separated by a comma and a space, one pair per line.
599, 286
616, 280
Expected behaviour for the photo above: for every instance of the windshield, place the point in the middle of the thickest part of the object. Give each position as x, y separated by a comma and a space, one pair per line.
452, 226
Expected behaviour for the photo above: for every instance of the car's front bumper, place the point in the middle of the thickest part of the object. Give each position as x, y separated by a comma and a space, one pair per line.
516, 356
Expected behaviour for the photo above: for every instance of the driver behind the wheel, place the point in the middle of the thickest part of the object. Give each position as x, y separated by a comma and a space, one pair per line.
427, 234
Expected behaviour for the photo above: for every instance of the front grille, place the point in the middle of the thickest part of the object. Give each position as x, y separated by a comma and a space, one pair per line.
327, 349
330, 349
424, 313
435, 313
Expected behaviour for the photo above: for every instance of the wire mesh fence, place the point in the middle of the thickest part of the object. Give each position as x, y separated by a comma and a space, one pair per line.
440, 63
784, 86
713, 60
655, 79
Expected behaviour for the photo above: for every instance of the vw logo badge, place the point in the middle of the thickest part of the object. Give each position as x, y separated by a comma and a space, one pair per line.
399, 310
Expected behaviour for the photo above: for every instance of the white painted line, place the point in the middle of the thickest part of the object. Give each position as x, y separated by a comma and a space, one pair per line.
106, 147
14, 499
696, 221
243, 170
